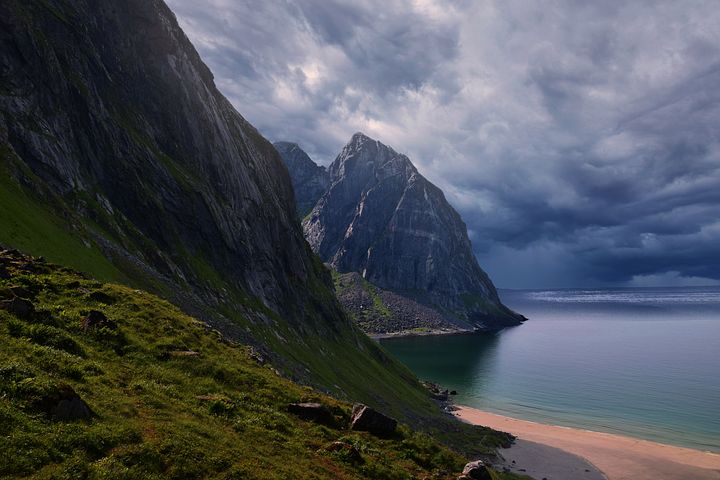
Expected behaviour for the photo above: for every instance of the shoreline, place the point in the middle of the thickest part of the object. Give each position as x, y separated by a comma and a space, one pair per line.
617, 457
424, 333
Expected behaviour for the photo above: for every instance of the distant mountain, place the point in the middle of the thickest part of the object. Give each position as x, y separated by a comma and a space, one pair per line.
381, 218
309, 180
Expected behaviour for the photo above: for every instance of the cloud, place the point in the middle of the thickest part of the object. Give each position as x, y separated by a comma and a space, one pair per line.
579, 138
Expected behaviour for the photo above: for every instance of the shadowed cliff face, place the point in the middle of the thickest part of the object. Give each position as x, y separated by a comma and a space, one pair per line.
381, 218
108, 103
309, 180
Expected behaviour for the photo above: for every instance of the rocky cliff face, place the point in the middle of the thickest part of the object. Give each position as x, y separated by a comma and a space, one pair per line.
109, 105
309, 179
381, 218
116, 145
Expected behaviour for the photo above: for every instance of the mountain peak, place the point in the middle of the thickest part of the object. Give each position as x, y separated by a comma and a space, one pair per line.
360, 136
382, 219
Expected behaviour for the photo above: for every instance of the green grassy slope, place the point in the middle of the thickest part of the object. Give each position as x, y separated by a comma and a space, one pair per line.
26, 224
160, 411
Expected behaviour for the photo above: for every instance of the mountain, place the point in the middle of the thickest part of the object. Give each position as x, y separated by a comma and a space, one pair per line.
383, 219
309, 180
120, 158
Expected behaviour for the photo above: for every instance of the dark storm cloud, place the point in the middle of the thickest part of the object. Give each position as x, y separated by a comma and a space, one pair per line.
579, 140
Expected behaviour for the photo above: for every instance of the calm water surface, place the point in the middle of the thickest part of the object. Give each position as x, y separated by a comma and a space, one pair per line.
639, 362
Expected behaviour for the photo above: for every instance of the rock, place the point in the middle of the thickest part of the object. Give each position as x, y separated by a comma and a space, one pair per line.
367, 419
97, 319
20, 292
64, 404
258, 357
102, 297
73, 408
476, 470
20, 307
4, 274
314, 412
184, 353
346, 450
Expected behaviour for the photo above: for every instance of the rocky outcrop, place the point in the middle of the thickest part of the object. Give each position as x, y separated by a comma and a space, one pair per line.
366, 419
476, 470
309, 179
380, 217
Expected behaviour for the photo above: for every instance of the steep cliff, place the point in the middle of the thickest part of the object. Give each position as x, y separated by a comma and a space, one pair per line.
119, 156
309, 179
381, 218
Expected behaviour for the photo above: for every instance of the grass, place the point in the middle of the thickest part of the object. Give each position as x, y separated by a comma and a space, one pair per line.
27, 225
157, 412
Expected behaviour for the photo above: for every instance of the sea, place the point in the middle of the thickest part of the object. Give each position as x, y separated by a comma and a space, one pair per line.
640, 362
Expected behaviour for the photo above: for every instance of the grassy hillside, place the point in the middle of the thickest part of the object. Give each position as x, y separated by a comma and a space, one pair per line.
170, 397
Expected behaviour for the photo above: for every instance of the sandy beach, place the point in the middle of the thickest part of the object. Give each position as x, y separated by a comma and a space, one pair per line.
616, 456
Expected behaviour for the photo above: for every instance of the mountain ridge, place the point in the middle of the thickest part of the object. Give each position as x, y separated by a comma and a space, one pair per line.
309, 179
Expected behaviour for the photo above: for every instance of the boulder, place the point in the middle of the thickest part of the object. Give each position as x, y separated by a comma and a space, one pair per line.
102, 297
476, 470
366, 419
64, 404
442, 396
314, 412
73, 408
20, 307
96, 319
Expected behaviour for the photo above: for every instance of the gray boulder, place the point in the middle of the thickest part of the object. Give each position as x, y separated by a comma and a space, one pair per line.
366, 419
476, 470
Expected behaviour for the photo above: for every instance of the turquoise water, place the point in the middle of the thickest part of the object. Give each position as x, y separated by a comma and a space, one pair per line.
638, 362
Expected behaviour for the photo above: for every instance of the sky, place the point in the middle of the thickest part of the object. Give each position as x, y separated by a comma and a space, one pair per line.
579, 140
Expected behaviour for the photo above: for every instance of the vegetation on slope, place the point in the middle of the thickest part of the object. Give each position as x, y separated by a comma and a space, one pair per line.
170, 397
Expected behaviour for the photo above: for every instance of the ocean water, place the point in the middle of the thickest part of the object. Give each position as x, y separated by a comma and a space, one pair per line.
638, 362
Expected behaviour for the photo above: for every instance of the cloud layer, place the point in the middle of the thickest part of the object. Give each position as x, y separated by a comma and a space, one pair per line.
579, 140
